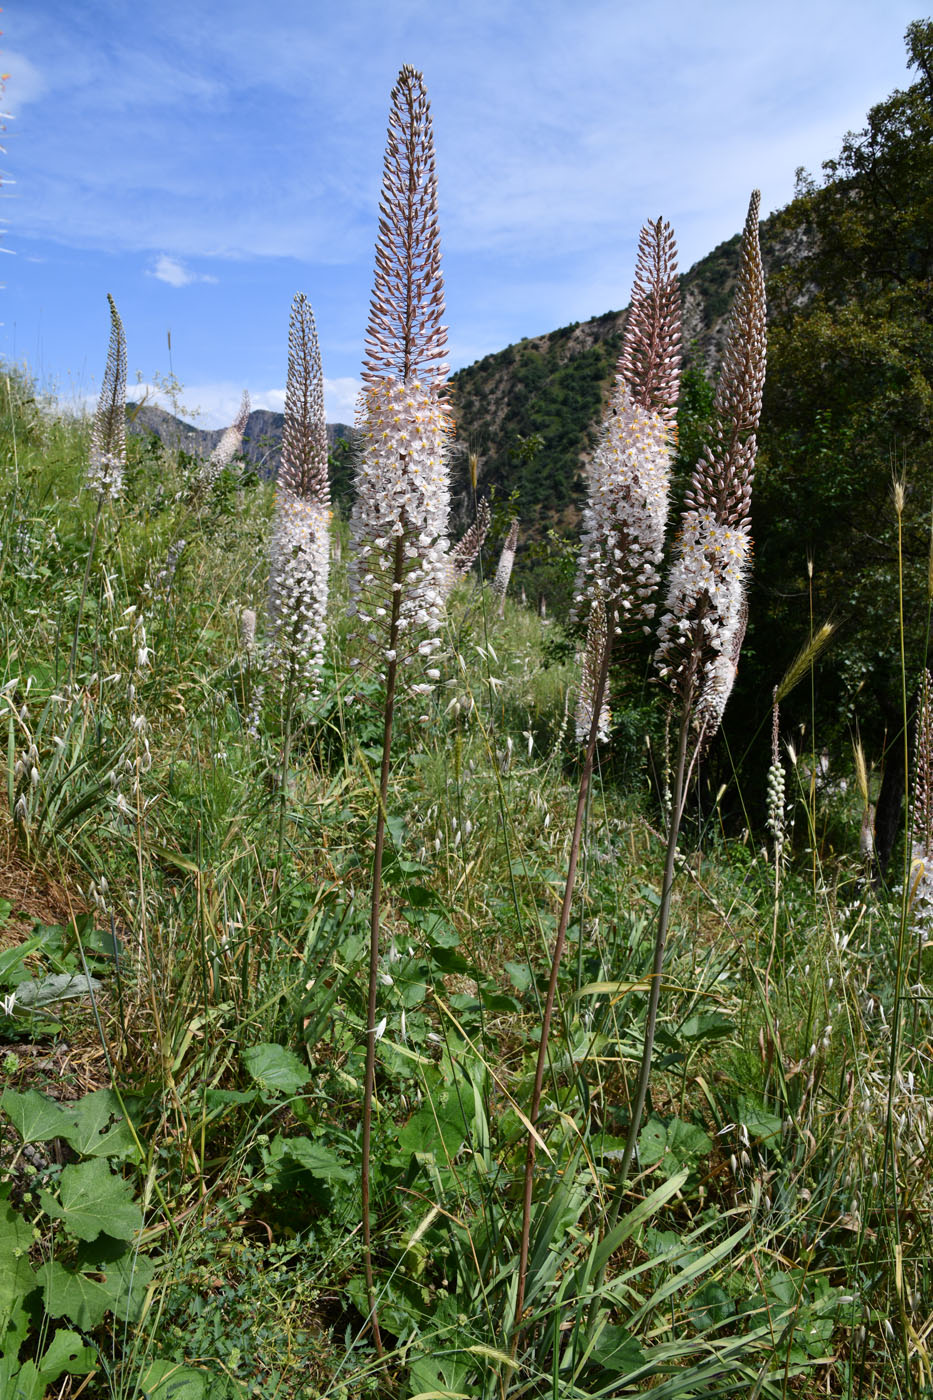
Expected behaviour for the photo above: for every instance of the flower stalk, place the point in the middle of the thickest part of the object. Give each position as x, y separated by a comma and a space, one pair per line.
107, 457
623, 537
701, 633
400, 570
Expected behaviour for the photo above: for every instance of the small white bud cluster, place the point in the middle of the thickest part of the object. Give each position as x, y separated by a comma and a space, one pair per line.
298, 588
402, 500
105, 474
626, 511
706, 610
227, 448
592, 660
500, 583
26, 772
775, 818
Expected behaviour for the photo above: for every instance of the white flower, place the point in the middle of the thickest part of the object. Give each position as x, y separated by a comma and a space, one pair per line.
298, 586
626, 511
400, 519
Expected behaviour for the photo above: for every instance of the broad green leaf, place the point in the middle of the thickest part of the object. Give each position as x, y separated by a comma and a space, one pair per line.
76, 1296
275, 1068
16, 1276
29, 1384
109, 1279
35, 1118
66, 1352
170, 1380
519, 975
88, 1131
57, 986
617, 1350
706, 1025
313, 1157
93, 1200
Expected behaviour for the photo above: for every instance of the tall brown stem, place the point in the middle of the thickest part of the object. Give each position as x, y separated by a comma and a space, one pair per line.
375, 911
600, 690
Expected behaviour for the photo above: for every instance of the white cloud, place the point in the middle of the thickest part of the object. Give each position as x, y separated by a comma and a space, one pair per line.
24, 84
175, 273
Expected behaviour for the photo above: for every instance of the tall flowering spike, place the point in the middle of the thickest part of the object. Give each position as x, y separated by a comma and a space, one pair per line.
228, 446
108, 435
922, 809
629, 476
500, 583
597, 635
466, 551
299, 551
650, 361
400, 572
701, 632
922, 812
304, 438
404, 338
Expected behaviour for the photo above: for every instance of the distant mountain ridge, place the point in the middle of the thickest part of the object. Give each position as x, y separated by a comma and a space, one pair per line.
262, 438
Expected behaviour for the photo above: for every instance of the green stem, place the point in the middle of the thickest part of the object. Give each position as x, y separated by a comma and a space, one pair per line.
660, 943
375, 911
87, 574
575, 842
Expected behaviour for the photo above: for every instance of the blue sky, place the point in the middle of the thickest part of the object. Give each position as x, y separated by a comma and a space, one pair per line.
203, 160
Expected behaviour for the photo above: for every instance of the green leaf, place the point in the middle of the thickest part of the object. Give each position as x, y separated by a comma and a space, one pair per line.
314, 1157
76, 1296
35, 1118
119, 1283
669, 1146
57, 986
66, 1352
706, 1025
88, 1131
93, 1200
275, 1068
170, 1380
17, 1279
519, 975
617, 1350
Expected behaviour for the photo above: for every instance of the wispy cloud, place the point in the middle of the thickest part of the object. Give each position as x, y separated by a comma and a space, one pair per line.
24, 84
176, 273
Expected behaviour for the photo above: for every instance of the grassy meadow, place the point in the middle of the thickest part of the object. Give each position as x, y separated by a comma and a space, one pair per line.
183, 966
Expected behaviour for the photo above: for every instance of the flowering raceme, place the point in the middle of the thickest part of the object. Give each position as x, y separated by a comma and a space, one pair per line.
403, 502
228, 446
108, 436
701, 633
597, 633
500, 583
629, 475
299, 551
401, 567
